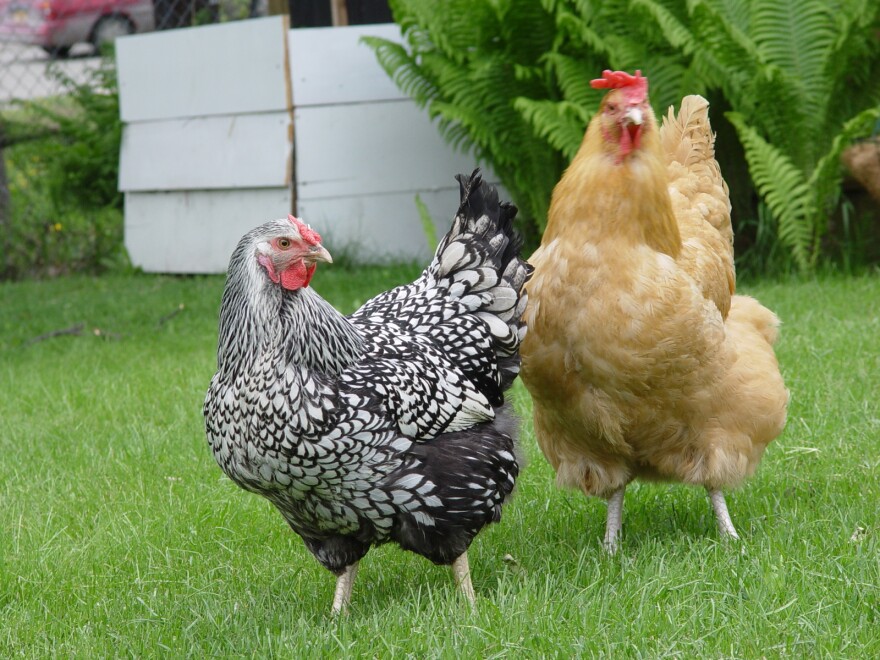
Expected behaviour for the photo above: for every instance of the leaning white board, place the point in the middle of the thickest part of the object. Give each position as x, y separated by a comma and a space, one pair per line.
371, 148
207, 140
214, 115
386, 226
195, 231
332, 66
364, 150
230, 68
207, 153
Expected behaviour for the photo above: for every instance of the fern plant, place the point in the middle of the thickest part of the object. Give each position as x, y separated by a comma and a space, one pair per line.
803, 78
510, 79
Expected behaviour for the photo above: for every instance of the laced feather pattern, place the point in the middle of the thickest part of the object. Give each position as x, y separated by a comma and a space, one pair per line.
389, 424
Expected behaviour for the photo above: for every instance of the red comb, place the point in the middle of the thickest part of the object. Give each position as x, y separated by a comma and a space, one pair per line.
637, 85
309, 235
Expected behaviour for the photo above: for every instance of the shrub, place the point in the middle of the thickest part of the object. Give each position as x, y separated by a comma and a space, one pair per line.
65, 210
803, 80
791, 83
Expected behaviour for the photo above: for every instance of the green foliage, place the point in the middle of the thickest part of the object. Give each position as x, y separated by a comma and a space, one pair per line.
511, 78
784, 187
802, 78
66, 212
83, 156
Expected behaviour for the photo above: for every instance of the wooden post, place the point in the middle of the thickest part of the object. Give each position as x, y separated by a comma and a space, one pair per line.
339, 12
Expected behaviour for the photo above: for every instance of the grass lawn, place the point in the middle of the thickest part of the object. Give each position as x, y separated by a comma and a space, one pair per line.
119, 536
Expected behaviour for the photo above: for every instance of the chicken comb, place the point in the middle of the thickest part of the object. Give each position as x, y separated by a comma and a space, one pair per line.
308, 234
636, 87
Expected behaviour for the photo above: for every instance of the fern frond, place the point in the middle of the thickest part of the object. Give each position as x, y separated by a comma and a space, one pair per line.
783, 187
456, 27
402, 69
799, 47
736, 13
666, 75
858, 127
528, 25
854, 62
581, 34
561, 124
725, 58
674, 30
573, 76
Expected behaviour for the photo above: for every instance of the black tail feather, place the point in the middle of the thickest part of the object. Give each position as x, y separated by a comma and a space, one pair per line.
479, 198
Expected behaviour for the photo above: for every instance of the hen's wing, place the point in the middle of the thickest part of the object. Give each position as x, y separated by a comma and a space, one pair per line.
423, 391
700, 200
468, 303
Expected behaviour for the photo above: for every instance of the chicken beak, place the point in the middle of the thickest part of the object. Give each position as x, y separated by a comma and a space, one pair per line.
319, 253
635, 116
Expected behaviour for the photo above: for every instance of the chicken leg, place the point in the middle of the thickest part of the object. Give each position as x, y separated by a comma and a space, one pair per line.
614, 520
462, 573
344, 584
725, 524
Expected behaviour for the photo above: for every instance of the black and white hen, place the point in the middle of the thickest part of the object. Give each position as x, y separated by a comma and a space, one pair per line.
386, 425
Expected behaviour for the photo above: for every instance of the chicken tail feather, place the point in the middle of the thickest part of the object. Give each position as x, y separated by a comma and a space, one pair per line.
478, 263
688, 138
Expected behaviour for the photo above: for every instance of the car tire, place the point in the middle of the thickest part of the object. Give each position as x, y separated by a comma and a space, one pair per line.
57, 52
108, 28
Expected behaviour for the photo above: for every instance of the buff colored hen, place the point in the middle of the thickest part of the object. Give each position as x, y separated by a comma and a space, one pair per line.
641, 361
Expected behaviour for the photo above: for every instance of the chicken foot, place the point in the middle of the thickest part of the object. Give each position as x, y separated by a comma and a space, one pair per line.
344, 584
462, 573
614, 521
719, 506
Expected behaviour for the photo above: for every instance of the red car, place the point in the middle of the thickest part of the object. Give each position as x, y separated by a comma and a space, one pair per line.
56, 25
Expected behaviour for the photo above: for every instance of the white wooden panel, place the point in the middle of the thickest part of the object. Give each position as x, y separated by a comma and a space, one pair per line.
380, 228
371, 148
243, 151
331, 65
195, 232
222, 69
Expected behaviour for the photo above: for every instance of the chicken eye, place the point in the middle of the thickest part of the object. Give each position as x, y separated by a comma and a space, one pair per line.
611, 107
284, 243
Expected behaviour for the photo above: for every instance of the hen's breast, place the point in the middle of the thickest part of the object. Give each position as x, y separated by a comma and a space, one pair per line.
613, 328
314, 449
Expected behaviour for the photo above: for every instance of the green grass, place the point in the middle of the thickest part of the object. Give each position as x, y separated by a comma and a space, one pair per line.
119, 536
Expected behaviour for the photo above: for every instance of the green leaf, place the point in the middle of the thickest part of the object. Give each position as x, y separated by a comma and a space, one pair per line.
428, 227
676, 32
796, 36
783, 187
561, 124
824, 182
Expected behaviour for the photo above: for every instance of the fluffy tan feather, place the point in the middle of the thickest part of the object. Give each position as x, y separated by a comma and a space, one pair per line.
641, 361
